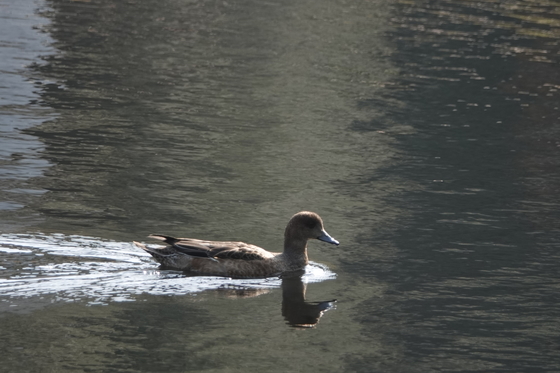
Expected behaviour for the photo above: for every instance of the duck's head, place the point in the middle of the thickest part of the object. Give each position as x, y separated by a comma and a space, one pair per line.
306, 225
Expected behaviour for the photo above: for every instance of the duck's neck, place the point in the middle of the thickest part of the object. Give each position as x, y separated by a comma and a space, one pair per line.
295, 249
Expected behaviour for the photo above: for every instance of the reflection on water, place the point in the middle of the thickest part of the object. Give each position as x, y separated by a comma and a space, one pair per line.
20, 158
295, 309
473, 277
424, 132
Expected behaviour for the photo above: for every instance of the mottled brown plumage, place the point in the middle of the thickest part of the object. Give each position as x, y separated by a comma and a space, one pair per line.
239, 259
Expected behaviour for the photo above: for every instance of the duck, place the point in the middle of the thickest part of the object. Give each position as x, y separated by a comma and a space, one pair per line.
240, 259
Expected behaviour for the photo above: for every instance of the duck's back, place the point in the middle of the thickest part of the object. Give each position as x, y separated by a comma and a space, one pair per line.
216, 249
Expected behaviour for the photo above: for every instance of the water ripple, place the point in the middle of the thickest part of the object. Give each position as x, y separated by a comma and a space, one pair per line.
75, 268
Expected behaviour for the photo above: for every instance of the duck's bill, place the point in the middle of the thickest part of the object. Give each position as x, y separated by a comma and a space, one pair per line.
326, 238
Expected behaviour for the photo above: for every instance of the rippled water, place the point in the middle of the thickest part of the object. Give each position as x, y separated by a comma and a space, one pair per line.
75, 268
425, 133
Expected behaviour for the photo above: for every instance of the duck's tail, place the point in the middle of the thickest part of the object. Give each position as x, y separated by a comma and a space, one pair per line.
157, 254
167, 257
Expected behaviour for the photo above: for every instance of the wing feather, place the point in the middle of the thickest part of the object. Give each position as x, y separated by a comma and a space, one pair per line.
215, 249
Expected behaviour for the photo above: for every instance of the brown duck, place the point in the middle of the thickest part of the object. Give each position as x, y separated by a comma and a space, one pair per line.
239, 259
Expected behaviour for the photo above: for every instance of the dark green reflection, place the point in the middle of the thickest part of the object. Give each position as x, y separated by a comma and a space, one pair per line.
295, 309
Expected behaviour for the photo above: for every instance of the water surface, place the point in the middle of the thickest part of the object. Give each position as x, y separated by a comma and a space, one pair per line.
424, 133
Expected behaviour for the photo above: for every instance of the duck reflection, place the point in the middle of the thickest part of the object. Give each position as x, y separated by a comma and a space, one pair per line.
296, 311
235, 292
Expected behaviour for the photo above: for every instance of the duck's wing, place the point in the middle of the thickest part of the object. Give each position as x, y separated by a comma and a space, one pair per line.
215, 249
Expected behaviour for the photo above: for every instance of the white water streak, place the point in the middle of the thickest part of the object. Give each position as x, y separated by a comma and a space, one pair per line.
73, 268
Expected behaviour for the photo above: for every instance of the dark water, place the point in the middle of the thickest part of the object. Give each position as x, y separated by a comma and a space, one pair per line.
425, 133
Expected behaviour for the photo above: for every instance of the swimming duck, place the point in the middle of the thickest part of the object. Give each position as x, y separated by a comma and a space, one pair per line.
239, 259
